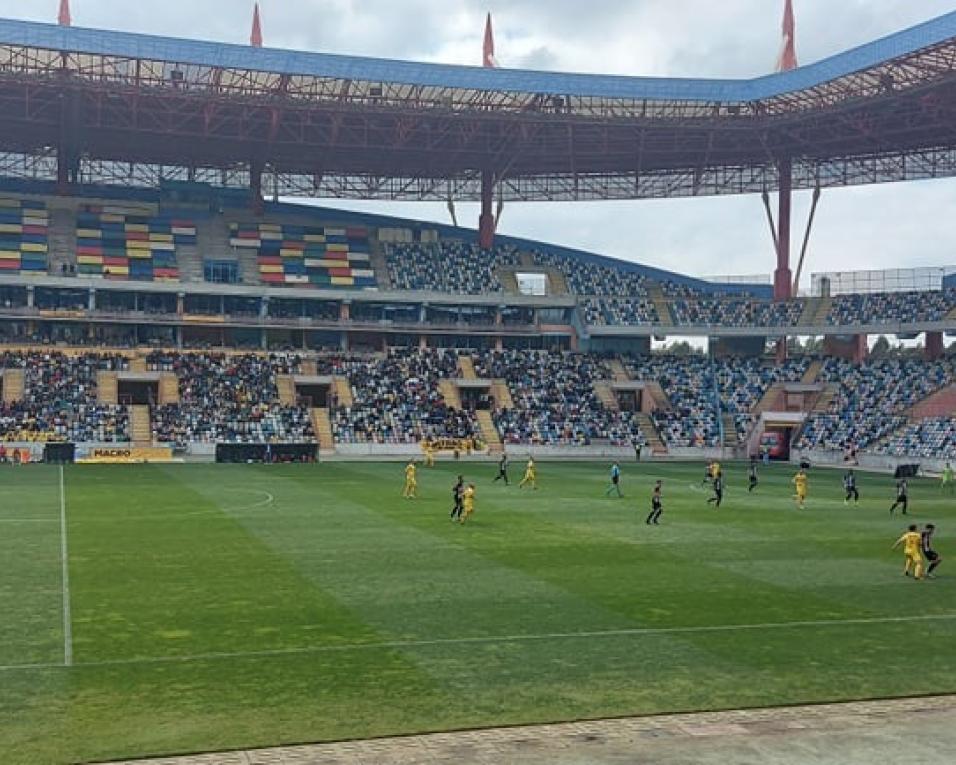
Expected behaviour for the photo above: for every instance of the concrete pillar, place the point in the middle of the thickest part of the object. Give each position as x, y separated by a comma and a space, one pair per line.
782, 278
92, 299
486, 221
934, 346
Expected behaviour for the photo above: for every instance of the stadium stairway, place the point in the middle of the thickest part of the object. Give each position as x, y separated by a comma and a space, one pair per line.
557, 281
822, 311
212, 240
62, 240
168, 388
809, 311
190, 262
656, 392
107, 388
813, 372
618, 371
466, 366
13, 385
768, 401
951, 316
730, 431
502, 394
825, 398
137, 364
661, 305
323, 428
379, 264
309, 367
286, 387
342, 391
605, 394
449, 392
507, 279
140, 425
489, 433
654, 442
942, 403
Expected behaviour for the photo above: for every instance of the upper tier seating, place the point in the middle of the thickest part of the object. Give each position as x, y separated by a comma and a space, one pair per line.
396, 398
904, 307
232, 399
554, 399
871, 400
59, 399
24, 244
130, 243
619, 311
448, 266
596, 279
736, 312
326, 257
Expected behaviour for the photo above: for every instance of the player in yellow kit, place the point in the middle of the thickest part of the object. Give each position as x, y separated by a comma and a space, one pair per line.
530, 475
468, 502
429, 454
411, 482
912, 552
800, 482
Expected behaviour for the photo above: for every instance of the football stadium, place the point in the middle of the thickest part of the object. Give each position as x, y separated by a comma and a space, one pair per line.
279, 475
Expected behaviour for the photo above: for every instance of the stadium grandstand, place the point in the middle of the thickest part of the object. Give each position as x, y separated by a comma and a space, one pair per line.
183, 311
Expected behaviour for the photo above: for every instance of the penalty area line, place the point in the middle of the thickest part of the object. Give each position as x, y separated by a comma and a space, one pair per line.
491, 639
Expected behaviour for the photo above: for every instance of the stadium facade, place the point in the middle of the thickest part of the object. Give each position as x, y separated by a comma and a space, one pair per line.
133, 172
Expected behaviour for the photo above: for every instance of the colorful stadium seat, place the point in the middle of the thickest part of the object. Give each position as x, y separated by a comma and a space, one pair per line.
124, 243
301, 256
23, 236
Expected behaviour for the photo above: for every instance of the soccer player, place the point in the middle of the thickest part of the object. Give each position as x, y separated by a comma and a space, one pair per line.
946, 481
752, 475
926, 544
800, 482
902, 496
615, 484
530, 475
429, 455
708, 474
411, 483
718, 490
849, 485
503, 469
457, 490
468, 502
656, 506
913, 557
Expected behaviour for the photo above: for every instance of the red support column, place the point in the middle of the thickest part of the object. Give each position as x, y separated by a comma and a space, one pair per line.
782, 279
486, 223
934, 346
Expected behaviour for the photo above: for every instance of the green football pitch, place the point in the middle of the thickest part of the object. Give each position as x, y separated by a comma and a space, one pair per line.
159, 609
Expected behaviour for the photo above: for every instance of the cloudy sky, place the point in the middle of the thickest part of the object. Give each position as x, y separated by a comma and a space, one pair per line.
898, 225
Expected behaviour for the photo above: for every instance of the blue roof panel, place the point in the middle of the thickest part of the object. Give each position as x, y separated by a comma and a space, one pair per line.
200, 53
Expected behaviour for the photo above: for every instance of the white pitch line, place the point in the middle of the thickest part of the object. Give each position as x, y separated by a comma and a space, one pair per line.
65, 567
488, 639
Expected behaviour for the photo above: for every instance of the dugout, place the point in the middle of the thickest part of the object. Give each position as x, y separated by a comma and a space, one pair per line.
59, 454
137, 388
268, 453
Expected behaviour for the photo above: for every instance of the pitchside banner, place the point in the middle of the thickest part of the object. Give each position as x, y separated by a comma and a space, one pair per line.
124, 455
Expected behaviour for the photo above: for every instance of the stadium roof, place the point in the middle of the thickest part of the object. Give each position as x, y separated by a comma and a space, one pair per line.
226, 56
136, 109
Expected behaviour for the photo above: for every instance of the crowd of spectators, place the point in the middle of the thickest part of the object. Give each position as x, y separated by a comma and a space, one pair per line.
933, 437
902, 307
396, 398
447, 266
736, 312
228, 398
554, 400
619, 311
593, 278
870, 400
743, 382
59, 400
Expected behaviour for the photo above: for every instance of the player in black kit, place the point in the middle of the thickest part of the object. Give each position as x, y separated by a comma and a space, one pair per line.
718, 485
457, 490
902, 496
502, 468
656, 507
849, 485
926, 543
752, 475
